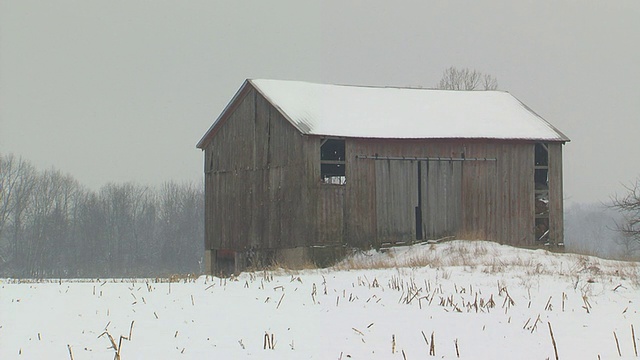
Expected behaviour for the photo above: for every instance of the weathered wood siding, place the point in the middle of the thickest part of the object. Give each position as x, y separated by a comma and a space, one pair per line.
381, 195
481, 199
330, 217
479, 192
441, 198
399, 191
556, 201
258, 180
360, 197
498, 196
396, 199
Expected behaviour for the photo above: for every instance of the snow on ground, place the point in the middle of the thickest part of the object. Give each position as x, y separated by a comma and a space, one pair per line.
492, 301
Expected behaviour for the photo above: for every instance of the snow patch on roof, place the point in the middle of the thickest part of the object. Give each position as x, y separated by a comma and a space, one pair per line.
404, 113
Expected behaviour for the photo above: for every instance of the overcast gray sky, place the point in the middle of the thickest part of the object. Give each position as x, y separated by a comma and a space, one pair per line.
113, 91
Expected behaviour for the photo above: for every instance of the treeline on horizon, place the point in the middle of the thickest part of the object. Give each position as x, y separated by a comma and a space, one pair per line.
52, 226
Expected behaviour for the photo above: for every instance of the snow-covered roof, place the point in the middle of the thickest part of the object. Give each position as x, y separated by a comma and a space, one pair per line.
404, 113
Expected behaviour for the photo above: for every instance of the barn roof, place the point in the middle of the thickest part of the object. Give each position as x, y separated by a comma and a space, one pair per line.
402, 113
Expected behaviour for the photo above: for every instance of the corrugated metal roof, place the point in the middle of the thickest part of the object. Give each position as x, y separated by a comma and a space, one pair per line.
404, 113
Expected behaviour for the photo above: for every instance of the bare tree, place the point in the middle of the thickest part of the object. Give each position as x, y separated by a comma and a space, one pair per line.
466, 79
50, 218
7, 180
629, 206
122, 206
17, 181
489, 82
181, 206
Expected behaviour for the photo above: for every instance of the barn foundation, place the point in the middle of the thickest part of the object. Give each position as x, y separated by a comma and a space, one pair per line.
227, 262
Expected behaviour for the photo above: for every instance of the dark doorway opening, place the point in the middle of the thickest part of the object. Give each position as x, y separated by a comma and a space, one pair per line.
541, 191
225, 262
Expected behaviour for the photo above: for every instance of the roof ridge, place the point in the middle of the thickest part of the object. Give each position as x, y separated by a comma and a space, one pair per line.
407, 87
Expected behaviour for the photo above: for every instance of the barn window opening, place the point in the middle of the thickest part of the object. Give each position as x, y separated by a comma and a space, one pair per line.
542, 179
542, 155
541, 166
541, 182
332, 161
542, 229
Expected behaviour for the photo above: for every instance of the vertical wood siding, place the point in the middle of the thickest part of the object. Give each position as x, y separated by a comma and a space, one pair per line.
498, 198
478, 189
556, 201
396, 199
495, 199
441, 198
330, 228
360, 198
259, 191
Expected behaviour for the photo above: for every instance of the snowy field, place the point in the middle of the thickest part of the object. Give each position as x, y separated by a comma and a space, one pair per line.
472, 300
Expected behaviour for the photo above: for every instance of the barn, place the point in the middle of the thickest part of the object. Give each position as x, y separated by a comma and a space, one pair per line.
299, 172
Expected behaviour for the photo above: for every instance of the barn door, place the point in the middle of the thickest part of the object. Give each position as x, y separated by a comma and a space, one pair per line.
396, 200
417, 199
441, 198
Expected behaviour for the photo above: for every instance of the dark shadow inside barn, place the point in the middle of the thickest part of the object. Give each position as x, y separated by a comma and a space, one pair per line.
332, 161
541, 181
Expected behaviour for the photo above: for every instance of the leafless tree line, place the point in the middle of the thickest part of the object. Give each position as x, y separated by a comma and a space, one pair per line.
52, 226
466, 79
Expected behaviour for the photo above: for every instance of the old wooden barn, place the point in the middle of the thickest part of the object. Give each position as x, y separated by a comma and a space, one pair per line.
298, 172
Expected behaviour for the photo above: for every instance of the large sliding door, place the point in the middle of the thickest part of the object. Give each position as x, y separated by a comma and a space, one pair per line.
396, 199
441, 184
417, 199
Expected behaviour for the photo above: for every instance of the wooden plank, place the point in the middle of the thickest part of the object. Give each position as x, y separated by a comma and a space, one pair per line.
360, 227
442, 214
256, 191
330, 214
397, 197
